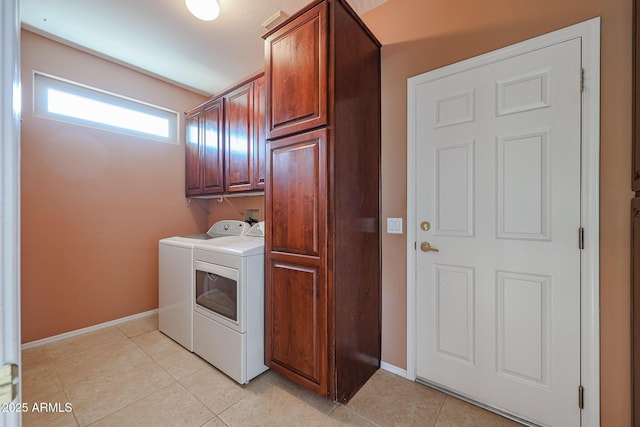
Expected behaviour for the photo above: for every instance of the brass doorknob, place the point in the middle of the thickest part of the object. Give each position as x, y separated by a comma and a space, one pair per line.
426, 247
425, 226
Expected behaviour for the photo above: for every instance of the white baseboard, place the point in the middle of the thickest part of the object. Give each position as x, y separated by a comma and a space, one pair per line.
393, 369
77, 332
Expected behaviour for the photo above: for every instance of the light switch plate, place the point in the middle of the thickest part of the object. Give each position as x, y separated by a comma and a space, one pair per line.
394, 225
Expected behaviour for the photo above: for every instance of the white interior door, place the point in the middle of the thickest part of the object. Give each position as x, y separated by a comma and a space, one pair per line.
498, 166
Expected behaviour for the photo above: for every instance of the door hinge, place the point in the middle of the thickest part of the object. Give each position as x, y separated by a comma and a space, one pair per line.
8, 383
581, 238
580, 397
582, 80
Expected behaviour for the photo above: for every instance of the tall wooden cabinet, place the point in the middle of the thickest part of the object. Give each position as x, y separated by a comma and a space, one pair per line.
322, 196
225, 141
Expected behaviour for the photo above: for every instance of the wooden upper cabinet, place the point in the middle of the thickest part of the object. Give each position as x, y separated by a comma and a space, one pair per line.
296, 62
635, 178
260, 133
204, 167
213, 149
193, 177
239, 138
226, 141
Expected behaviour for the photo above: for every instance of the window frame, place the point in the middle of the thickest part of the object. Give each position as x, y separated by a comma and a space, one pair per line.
43, 82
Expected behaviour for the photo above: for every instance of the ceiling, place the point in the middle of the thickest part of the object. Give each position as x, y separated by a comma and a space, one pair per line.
162, 38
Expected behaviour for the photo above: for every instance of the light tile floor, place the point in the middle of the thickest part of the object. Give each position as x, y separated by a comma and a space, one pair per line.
133, 375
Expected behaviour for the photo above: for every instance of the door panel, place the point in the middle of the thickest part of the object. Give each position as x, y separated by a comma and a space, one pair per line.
260, 133
296, 287
523, 180
523, 319
499, 305
192, 155
635, 306
239, 139
298, 212
213, 149
296, 67
454, 203
454, 296
295, 340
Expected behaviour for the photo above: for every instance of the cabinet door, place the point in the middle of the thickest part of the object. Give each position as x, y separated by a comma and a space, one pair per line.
635, 178
239, 139
193, 182
260, 130
296, 291
297, 332
212, 148
297, 193
296, 72
635, 307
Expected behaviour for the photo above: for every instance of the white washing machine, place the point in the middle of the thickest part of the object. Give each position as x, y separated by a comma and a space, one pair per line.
176, 279
228, 312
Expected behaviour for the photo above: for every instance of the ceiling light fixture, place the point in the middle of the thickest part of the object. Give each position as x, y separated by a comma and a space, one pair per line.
207, 10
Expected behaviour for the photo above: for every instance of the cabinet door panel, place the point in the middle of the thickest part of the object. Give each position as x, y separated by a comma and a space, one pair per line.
635, 307
260, 133
296, 69
297, 194
297, 318
635, 178
193, 183
212, 156
239, 138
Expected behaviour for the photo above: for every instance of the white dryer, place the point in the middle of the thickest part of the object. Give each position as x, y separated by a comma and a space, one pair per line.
228, 314
176, 279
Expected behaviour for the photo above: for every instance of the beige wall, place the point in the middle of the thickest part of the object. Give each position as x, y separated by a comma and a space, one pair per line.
233, 207
419, 36
95, 203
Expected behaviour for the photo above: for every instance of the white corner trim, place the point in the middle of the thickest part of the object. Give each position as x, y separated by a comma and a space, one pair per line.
589, 33
393, 369
88, 329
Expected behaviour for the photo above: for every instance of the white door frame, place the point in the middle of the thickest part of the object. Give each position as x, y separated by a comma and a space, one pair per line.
10, 190
589, 33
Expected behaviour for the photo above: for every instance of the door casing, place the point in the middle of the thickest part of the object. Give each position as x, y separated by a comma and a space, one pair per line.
589, 33
10, 201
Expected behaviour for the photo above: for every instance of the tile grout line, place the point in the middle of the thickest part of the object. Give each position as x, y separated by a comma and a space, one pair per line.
204, 404
444, 401
176, 380
141, 398
64, 389
357, 414
134, 401
179, 381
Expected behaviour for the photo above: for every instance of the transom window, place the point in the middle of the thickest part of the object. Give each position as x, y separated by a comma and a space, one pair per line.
72, 102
